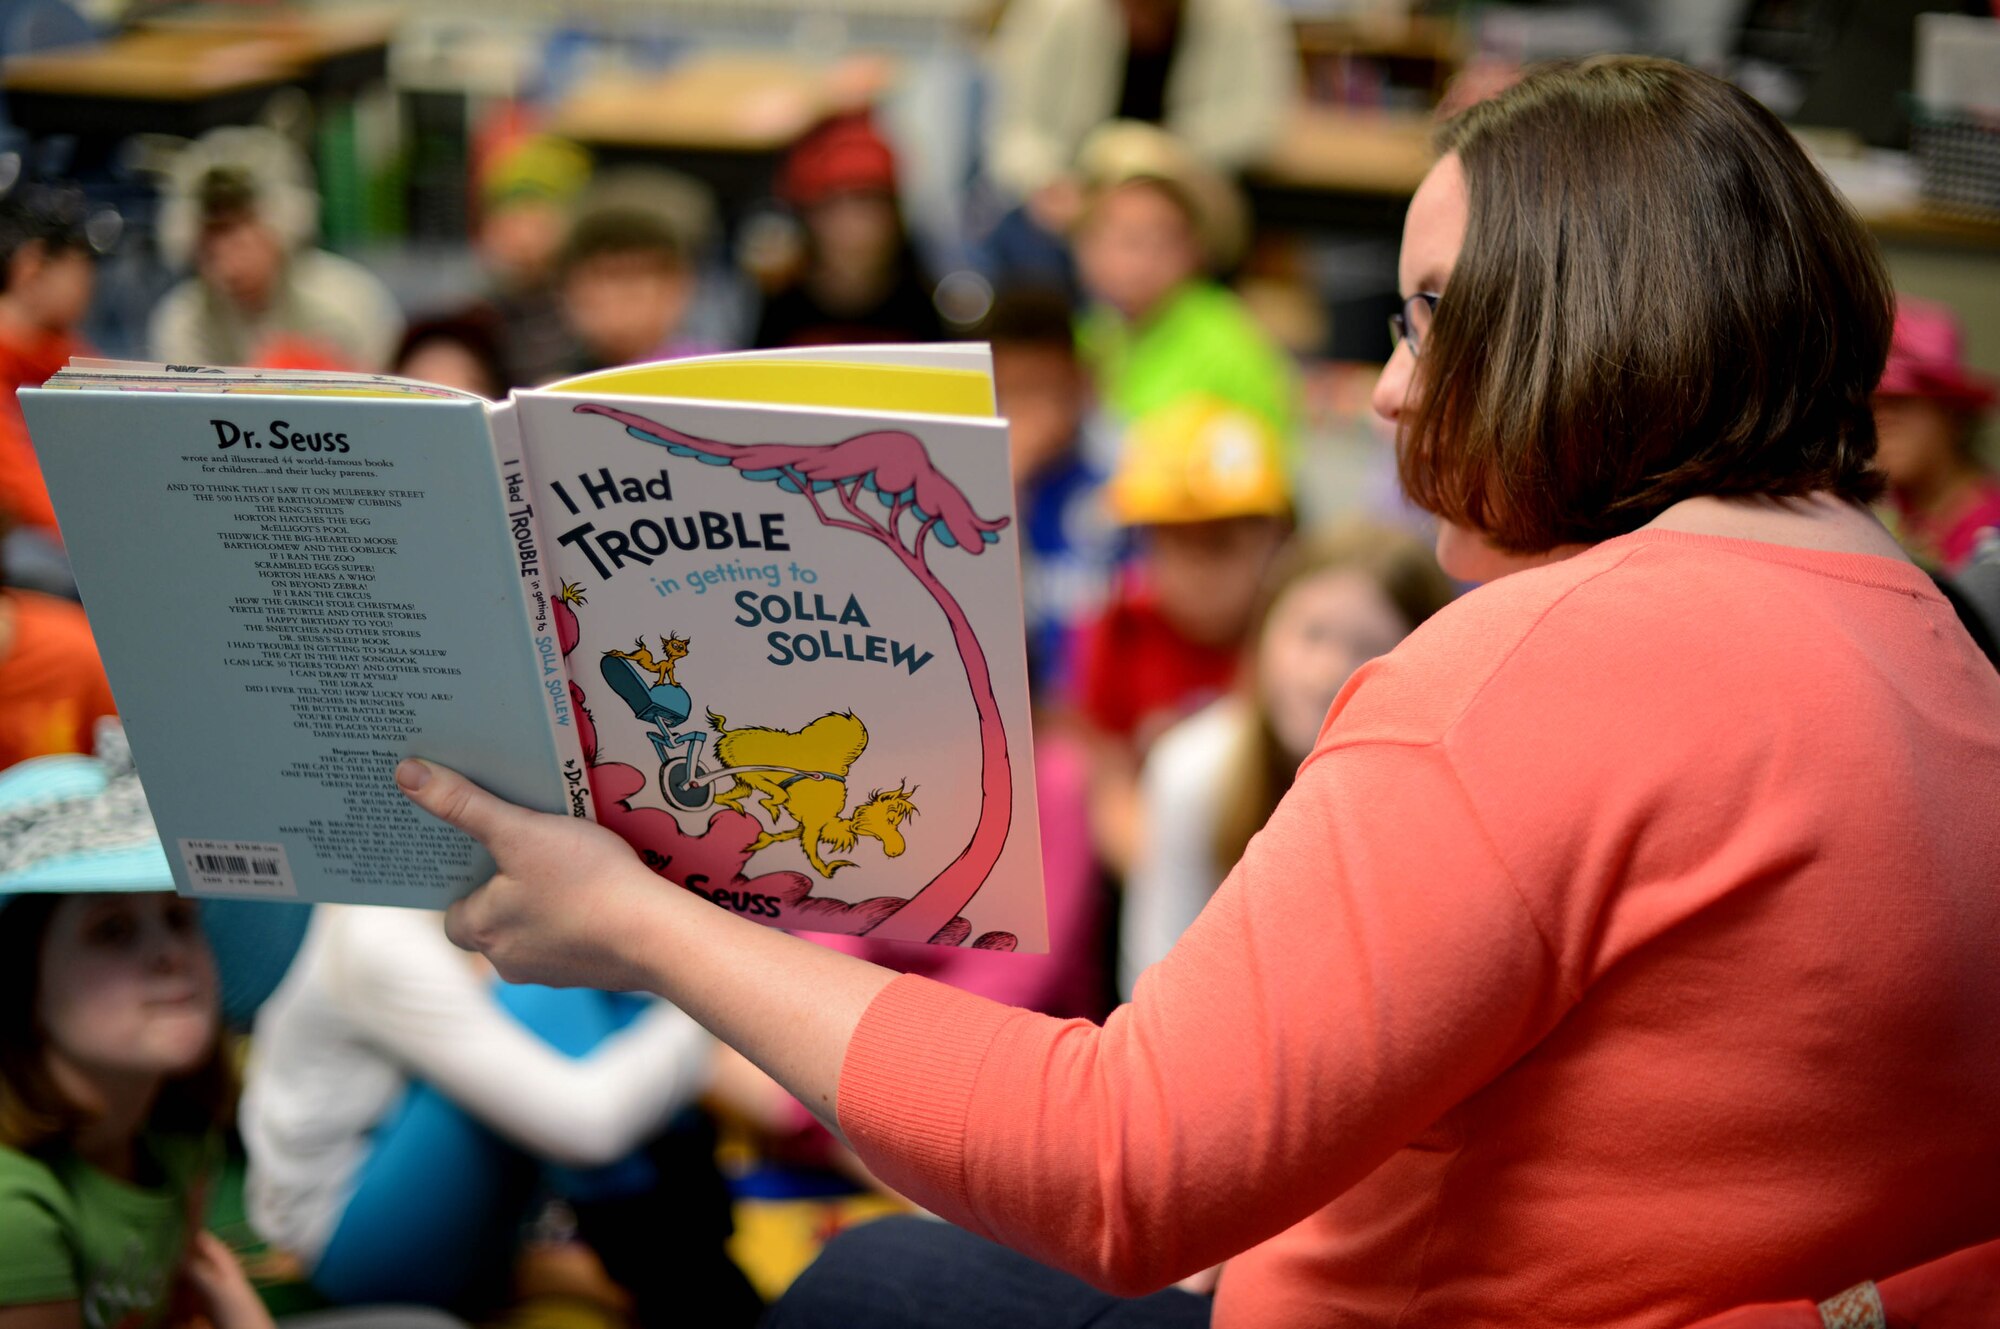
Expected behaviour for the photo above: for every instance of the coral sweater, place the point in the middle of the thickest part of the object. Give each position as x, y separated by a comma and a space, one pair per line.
1623, 953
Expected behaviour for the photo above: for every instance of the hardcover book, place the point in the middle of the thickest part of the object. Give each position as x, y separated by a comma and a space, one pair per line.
758, 614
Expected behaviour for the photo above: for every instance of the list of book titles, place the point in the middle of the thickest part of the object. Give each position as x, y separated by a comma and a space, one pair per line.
355, 668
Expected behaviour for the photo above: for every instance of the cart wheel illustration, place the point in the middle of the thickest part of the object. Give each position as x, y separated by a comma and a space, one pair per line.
686, 788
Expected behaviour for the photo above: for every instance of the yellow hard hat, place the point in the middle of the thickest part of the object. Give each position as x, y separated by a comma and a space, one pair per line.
1199, 459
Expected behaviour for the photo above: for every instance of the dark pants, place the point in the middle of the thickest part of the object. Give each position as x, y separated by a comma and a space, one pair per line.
918, 1273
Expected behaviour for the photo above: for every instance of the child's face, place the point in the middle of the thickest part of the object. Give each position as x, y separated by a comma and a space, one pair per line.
1917, 439
127, 985
58, 288
1041, 394
449, 363
242, 259
857, 229
1135, 247
624, 307
1206, 574
1319, 632
518, 240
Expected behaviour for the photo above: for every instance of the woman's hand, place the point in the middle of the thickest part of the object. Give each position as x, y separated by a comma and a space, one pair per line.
221, 1291
566, 904
572, 906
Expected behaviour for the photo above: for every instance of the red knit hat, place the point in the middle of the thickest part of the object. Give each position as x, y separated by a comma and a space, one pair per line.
843, 155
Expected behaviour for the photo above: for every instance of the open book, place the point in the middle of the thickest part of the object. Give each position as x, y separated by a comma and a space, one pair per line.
759, 614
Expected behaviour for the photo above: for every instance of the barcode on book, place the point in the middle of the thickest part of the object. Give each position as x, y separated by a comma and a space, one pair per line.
237, 867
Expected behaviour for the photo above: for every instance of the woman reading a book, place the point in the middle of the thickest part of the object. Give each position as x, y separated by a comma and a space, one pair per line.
1622, 950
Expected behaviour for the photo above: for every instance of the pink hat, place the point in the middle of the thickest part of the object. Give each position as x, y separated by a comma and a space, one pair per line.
1927, 358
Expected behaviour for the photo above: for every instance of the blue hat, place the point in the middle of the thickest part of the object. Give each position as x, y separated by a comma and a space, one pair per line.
73, 823
77, 823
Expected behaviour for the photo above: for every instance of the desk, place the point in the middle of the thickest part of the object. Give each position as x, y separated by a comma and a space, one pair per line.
724, 117
1404, 50
1909, 225
1339, 169
189, 75
335, 54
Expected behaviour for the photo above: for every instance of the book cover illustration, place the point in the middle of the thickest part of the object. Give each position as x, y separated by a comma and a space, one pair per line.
793, 639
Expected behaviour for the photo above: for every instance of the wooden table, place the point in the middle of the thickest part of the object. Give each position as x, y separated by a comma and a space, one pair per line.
1913, 225
1412, 50
724, 117
1345, 169
190, 74
1339, 169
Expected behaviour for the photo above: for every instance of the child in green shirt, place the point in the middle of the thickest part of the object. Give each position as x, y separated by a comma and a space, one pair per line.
112, 1080
1156, 228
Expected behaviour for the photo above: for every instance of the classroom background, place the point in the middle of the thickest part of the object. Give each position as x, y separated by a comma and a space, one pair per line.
1176, 221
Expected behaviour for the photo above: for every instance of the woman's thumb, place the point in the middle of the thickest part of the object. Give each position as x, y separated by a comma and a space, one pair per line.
452, 798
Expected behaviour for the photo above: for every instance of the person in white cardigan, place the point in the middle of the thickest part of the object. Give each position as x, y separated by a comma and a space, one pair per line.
1060, 68
402, 1108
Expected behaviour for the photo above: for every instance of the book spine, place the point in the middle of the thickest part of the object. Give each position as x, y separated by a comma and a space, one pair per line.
539, 594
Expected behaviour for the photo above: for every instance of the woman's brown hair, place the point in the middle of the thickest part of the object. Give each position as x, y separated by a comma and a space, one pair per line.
1659, 297
34, 1112
1258, 769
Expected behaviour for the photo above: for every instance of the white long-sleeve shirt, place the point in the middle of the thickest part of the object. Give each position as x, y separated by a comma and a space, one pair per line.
1175, 872
378, 998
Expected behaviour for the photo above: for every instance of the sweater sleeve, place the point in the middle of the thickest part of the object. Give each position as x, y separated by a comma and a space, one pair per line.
399, 979
1366, 966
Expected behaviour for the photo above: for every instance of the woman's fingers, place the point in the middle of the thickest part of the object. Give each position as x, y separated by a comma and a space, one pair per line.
452, 798
564, 888
462, 921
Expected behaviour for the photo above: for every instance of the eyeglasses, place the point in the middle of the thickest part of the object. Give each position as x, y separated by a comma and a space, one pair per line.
1409, 327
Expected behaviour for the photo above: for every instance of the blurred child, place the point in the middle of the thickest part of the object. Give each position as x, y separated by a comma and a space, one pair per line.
627, 273
1333, 602
1068, 547
856, 277
1156, 229
52, 686
404, 1109
528, 187
462, 350
113, 1086
1205, 489
1927, 412
47, 275
241, 212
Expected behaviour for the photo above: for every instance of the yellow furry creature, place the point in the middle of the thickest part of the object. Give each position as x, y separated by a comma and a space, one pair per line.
824, 751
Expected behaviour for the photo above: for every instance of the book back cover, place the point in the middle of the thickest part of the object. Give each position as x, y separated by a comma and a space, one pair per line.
291, 593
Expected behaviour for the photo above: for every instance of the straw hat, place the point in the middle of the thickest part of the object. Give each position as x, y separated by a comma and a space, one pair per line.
1124, 151
1200, 459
